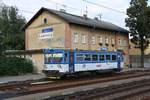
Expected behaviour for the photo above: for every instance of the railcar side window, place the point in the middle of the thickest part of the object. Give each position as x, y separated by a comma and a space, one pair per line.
101, 57
94, 57
57, 58
80, 57
48, 58
87, 57
114, 57
107, 57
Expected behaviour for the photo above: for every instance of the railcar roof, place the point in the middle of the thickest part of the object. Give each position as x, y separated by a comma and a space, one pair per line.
80, 51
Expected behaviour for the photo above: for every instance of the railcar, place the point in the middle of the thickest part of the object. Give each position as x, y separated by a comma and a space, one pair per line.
59, 62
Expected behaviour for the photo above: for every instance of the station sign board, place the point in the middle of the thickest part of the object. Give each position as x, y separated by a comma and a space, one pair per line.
47, 33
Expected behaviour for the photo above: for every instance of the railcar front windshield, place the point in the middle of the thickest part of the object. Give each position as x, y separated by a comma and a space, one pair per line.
54, 58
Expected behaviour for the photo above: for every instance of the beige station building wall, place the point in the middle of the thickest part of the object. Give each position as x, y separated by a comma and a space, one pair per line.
120, 40
34, 29
136, 51
64, 37
133, 50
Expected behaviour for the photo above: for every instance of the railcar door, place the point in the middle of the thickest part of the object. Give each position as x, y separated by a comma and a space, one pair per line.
71, 62
119, 61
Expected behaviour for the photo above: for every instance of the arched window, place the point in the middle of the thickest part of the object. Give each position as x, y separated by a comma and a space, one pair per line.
45, 20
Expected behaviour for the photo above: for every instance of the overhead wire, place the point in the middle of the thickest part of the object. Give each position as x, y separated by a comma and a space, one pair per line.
65, 6
103, 6
81, 10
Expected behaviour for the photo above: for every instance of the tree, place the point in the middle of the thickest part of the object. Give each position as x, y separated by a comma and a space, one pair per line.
11, 24
1, 42
138, 22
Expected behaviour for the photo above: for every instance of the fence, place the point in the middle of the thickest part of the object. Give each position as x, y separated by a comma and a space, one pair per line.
135, 61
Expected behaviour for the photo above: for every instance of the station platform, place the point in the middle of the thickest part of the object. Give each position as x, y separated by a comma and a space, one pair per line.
135, 69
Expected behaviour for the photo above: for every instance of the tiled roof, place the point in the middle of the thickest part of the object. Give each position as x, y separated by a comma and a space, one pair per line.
80, 20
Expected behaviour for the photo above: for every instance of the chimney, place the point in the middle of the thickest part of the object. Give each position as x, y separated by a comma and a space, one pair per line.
96, 18
85, 16
62, 10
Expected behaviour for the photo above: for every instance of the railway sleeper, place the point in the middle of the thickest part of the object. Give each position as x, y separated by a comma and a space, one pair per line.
102, 92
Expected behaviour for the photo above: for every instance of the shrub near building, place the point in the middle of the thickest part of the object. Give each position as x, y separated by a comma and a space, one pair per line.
15, 66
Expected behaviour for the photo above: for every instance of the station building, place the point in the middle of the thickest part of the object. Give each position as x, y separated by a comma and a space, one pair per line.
49, 29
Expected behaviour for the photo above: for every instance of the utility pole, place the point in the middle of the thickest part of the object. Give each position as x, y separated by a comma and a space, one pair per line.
86, 11
100, 16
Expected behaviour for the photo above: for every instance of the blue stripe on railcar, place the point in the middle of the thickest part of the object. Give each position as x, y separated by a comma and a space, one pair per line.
71, 62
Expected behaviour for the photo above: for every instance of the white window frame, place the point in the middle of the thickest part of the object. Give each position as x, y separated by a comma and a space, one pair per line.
76, 37
83, 38
93, 40
100, 39
106, 40
124, 42
113, 41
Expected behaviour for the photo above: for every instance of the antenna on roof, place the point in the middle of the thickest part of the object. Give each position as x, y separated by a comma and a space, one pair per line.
56, 6
86, 11
100, 16
64, 8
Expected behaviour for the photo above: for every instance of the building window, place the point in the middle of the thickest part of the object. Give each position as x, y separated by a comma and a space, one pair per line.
106, 40
45, 20
75, 37
119, 42
124, 42
100, 39
112, 42
93, 40
83, 38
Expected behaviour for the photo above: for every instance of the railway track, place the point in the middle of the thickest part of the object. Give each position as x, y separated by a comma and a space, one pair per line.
127, 91
31, 88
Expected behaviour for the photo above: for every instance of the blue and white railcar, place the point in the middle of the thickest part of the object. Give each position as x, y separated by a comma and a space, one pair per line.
94, 61
56, 62
59, 62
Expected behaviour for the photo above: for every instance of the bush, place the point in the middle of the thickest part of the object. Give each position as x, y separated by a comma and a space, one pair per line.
15, 66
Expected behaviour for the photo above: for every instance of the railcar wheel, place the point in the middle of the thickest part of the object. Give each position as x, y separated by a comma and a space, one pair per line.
93, 73
76, 75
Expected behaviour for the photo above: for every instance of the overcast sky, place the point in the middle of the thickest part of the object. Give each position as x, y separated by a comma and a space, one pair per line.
29, 7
